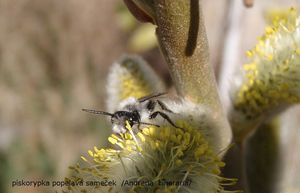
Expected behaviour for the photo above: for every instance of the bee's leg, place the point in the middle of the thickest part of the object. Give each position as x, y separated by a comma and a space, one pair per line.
138, 126
163, 115
151, 105
163, 106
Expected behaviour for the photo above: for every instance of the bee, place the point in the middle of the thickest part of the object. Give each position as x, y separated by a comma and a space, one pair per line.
134, 110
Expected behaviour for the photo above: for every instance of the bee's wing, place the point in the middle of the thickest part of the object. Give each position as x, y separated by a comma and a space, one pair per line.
145, 98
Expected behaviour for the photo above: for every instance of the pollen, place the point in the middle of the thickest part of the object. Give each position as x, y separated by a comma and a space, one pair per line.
141, 136
249, 53
91, 153
269, 30
271, 77
128, 126
83, 158
178, 162
158, 153
112, 140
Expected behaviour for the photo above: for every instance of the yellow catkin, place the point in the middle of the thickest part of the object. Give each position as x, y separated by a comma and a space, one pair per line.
272, 75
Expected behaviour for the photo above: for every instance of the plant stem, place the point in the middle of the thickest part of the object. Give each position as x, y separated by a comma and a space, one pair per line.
182, 39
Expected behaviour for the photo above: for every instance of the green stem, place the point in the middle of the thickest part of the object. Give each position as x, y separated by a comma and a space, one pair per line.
182, 39
262, 159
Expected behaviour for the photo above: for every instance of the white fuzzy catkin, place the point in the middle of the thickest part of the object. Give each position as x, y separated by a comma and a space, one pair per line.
131, 76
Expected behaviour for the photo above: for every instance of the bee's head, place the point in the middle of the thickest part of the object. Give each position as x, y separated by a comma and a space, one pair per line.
118, 124
119, 119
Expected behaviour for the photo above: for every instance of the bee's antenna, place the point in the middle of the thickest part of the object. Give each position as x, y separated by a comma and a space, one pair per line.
97, 112
149, 124
142, 99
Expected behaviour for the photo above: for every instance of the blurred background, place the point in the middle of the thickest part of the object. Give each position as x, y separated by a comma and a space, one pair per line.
54, 58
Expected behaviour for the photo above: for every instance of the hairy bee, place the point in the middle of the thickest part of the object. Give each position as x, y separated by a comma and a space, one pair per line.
133, 109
